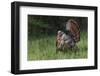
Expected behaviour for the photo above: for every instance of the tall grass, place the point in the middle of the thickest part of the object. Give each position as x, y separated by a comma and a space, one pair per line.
44, 48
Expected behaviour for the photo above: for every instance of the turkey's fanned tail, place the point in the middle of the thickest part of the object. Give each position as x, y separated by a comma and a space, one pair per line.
73, 27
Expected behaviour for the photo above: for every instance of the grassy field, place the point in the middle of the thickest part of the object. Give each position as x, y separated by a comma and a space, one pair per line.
44, 48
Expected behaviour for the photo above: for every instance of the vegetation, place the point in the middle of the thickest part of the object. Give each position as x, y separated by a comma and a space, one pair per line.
44, 48
42, 38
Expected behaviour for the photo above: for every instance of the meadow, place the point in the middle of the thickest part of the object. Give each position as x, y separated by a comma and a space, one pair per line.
43, 47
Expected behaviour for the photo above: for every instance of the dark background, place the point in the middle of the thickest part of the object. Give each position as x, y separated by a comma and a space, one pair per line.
49, 25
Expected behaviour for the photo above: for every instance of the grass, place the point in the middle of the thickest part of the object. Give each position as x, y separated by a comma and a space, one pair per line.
44, 48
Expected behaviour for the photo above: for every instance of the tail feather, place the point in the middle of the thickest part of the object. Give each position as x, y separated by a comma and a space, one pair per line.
74, 29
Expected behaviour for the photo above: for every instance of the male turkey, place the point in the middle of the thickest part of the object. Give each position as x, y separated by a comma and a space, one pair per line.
70, 38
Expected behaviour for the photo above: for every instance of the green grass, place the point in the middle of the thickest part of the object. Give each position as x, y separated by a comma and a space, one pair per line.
44, 48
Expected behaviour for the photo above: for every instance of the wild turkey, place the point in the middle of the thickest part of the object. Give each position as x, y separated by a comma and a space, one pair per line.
70, 38
74, 30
